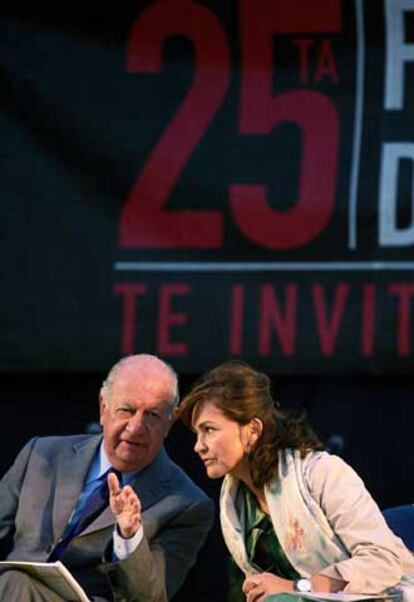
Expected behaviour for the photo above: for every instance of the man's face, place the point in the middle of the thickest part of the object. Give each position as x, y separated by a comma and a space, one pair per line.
135, 416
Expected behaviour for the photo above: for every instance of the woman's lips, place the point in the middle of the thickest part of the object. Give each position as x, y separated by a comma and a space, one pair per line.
207, 461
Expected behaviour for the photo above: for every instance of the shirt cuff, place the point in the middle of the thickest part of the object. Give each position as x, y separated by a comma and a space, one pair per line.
124, 547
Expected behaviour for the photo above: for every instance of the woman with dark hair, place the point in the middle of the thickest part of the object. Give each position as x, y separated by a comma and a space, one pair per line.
294, 518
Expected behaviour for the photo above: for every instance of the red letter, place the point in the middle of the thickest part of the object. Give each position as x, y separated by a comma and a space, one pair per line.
326, 63
404, 291
146, 221
131, 292
328, 328
303, 45
236, 319
261, 111
271, 315
368, 320
167, 319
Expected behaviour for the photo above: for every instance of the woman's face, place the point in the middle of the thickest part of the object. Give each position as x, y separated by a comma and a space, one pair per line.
222, 443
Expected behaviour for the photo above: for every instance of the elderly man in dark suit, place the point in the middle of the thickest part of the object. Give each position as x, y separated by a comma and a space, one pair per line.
52, 501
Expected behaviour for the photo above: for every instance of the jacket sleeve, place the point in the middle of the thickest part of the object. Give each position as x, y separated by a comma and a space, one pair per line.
157, 568
375, 552
10, 486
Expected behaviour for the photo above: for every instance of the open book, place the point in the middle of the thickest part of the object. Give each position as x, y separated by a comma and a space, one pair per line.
53, 574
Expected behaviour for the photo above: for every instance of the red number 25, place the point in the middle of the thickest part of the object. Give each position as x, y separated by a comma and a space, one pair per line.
144, 221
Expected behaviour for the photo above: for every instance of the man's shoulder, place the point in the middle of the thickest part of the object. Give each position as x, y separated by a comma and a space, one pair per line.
60, 443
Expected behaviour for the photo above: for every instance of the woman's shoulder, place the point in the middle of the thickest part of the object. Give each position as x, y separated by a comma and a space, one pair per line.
322, 460
324, 471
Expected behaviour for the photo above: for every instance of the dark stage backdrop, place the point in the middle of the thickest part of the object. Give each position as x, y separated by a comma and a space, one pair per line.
207, 180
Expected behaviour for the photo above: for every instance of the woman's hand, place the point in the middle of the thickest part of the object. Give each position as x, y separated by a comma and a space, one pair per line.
256, 587
126, 507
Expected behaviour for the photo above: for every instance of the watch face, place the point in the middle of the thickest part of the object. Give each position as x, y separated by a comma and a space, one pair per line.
303, 585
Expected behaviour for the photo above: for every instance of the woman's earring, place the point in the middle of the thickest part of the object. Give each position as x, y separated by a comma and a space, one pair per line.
249, 454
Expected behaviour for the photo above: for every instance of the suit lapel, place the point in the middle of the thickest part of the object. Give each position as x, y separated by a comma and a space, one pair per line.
150, 484
72, 468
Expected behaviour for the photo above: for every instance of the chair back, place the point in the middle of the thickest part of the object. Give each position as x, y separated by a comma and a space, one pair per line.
401, 520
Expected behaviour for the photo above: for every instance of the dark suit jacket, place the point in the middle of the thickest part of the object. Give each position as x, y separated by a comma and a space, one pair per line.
39, 493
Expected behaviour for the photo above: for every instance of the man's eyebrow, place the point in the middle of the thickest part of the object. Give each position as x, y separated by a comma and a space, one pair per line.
161, 409
155, 410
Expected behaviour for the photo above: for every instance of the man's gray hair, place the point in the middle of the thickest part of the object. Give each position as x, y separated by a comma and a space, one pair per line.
107, 384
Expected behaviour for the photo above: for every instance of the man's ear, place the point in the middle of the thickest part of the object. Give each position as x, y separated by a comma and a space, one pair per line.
173, 417
102, 407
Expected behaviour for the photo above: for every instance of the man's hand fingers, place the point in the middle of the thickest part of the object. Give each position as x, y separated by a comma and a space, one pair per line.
131, 497
113, 484
126, 506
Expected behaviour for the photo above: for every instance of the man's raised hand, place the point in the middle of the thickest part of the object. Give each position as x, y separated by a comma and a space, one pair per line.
125, 505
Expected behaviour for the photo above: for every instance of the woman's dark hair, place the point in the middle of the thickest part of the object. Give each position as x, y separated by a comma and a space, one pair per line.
242, 394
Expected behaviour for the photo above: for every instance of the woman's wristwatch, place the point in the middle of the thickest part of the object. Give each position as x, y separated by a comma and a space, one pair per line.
302, 585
